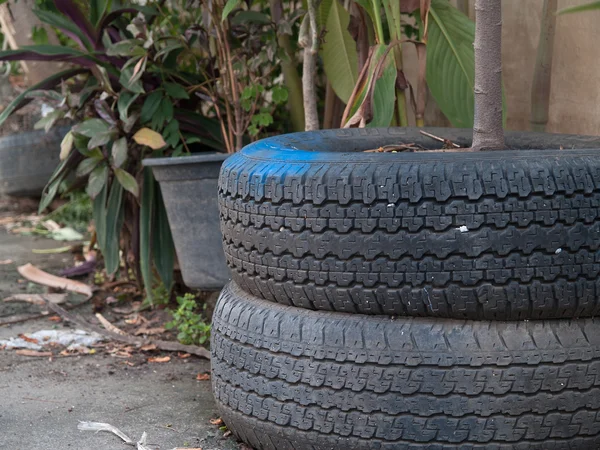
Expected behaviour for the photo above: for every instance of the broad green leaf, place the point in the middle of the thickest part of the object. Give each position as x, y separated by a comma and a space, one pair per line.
45, 123
68, 27
229, 6
100, 139
127, 181
244, 17
99, 215
323, 13
176, 91
384, 96
91, 127
150, 106
340, 60
97, 10
86, 166
114, 221
126, 99
97, 180
451, 62
580, 8
66, 146
119, 151
163, 248
280, 95
125, 79
146, 214
146, 136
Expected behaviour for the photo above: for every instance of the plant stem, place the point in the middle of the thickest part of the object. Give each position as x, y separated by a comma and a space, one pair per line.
487, 129
542, 75
378, 25
310, 42
291, 77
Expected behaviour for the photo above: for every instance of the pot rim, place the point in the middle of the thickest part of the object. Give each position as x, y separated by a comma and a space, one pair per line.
207, 157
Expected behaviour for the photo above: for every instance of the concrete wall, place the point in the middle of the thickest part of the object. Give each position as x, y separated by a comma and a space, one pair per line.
575, 89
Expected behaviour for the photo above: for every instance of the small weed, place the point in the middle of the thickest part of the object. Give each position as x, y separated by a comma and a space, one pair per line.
192, 328
76, 213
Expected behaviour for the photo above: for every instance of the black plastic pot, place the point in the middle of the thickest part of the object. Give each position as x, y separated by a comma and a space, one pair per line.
27, 161
189, 189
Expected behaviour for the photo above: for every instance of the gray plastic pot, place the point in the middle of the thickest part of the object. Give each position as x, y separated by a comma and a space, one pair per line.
27, 160
189, 190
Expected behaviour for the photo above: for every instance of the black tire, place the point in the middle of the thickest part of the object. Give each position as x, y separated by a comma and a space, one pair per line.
27, 161
487, 235
286, 378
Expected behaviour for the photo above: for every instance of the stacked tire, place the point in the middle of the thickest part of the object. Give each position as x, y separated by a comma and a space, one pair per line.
424, 300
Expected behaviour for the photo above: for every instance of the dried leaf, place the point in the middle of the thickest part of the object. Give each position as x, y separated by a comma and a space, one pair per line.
28, 339
4, 262
33, 353
32, 273
146, 136
203, 377
183, 355
149, 331
218, 422
159, 359
148, 347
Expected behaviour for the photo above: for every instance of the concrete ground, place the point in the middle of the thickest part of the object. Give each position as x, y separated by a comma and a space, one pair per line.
42, 399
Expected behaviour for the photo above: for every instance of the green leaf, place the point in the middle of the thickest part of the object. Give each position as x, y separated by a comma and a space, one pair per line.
49, 120
114, 223
580, 8
127, 181
451, 62
244, 17
59, 21
100, 139
86, 166
229, 6
146, 214
91, 127
163, 248
323, 13
97, 10
119, 152
176, 91
97, 180
126, 99
126, 81
340, 60
150, 106
99, 215
129, 47
384, 95
280, 95
165, 51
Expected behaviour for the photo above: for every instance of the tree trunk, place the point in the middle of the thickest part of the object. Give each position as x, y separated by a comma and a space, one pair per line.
17, 20
487, 129
542, 75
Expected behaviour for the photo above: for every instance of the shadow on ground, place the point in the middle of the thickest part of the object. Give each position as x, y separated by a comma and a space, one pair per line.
43, 399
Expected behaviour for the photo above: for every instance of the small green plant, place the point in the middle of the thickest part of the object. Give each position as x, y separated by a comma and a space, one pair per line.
193, 330
76, 213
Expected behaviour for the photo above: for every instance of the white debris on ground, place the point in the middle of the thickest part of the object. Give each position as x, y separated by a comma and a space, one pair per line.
557, 251
463, 229
72, 339
99, 426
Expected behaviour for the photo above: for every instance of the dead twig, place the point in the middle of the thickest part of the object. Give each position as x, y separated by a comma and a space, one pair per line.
32, 273
447, 142
394, 148
109, 326
161, 345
